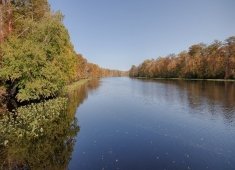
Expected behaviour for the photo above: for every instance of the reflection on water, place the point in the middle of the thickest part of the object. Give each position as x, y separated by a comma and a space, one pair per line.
79, 95
199, 97
156, 124
52, 150
136, 124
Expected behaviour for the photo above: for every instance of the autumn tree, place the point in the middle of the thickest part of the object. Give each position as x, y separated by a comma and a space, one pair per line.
229, 53
216, 60
38, 58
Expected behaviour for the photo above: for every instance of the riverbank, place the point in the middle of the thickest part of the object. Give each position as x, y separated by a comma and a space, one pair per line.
37, 117
75, 85
185, 79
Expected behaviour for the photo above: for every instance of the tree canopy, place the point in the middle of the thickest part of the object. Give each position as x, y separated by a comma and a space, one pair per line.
201, 61
37, 58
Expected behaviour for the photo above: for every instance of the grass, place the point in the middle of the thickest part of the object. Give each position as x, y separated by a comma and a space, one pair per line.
74, 85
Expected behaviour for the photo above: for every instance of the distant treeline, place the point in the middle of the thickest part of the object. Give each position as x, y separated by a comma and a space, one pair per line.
37, 58
86, 70
201, 61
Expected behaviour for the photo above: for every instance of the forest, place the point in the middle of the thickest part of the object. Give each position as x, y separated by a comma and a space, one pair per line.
37, 58
39, 67
200, 61
55, 113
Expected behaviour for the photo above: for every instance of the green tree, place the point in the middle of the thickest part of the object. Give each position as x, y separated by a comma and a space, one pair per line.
37, 64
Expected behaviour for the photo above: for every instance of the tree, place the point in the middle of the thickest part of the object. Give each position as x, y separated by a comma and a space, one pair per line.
82, 68
201, 61
5, 18
229, 52
37, 64
133, 71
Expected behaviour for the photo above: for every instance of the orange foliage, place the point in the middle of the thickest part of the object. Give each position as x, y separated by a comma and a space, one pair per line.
215, 61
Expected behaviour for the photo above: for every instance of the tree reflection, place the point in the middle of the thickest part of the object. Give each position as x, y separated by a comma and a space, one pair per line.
201, 96
79, 95
53, 150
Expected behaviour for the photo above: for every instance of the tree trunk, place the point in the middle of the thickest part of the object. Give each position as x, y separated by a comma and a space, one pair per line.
227, 64
1, 23
5, 18
227, 69
9, 17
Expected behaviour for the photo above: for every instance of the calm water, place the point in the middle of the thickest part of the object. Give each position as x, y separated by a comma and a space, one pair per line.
131, 124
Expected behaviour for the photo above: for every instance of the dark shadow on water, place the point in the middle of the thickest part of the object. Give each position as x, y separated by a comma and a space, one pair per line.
53, 150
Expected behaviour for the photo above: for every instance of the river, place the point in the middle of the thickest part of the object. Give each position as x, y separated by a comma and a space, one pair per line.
132, 124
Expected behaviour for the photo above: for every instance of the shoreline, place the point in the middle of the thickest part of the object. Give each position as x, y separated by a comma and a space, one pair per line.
75, 85
186, 79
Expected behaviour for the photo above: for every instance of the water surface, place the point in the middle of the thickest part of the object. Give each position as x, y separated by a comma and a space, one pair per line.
155, 124
131, 124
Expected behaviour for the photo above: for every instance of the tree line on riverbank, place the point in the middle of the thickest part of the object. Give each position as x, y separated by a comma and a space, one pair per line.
37, 62
201, 61
37, 58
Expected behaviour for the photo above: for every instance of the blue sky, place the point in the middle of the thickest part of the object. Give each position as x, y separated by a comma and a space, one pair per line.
118, 33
